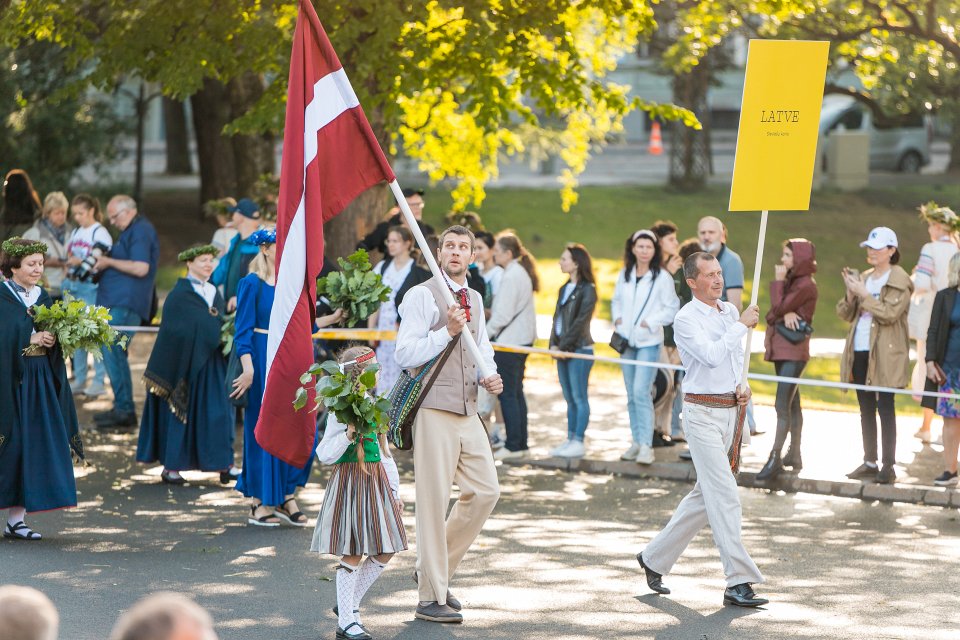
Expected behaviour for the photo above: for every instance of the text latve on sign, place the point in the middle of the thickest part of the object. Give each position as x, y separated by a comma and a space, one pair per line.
779, 123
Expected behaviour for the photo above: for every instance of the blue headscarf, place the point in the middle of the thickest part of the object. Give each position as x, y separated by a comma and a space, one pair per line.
262, 237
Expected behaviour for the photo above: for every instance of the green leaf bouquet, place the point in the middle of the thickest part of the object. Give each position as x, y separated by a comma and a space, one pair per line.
351, 400
228, 330
78, 325
356, 288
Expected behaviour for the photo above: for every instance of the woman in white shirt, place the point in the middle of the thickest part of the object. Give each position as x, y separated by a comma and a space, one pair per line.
644, 301
398, 272
90, 236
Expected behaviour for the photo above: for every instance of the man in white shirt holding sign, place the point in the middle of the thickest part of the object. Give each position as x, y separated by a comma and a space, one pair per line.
450, 444
709, 335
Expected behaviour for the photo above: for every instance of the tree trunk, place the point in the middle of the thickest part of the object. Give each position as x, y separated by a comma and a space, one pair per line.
177, 138
211, 112
690, 161
343, 232
954, 165
253, 155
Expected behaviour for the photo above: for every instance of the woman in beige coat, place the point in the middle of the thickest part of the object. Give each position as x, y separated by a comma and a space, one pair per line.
877, 352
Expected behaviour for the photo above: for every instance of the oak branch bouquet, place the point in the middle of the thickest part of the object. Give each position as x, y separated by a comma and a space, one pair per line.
78, 325
356, 288
352, 399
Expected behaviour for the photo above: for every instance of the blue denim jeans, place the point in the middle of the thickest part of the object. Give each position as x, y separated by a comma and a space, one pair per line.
115, 361
574, 378
639, 381
85, 292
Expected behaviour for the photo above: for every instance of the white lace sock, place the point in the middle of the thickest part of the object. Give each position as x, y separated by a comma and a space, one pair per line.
370, 569
15, 515
346, 585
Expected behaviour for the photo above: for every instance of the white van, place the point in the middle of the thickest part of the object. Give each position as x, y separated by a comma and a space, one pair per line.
905, 148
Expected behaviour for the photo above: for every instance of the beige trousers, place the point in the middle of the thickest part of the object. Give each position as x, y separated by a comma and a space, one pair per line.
449, 448
715, 499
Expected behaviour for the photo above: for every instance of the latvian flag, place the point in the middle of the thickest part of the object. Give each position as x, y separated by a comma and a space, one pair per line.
330, 155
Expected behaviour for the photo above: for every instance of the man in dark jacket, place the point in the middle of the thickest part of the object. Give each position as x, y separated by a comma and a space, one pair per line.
376, 240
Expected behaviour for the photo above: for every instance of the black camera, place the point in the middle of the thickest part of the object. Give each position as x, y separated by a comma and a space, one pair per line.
84, 271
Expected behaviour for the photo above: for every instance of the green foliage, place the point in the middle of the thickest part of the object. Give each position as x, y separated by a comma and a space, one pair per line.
352, 399
457, 86
228, 331
78, 325
356, 288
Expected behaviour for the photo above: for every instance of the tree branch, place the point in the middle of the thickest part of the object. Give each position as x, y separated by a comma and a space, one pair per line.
880, 118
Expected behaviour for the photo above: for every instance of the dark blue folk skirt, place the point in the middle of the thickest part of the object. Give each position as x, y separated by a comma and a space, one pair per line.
36, 464
205, 442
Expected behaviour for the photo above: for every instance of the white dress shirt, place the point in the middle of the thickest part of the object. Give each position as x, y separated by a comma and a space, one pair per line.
416, 343
204, 289
709, 340
628, 300
335, 443
28, 297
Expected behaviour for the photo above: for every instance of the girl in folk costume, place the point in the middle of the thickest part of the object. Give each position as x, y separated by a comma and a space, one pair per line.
362, 511
187, 419
38, 420
270, 483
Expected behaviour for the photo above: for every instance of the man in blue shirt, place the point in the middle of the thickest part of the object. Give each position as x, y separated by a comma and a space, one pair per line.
126, 287
713, 235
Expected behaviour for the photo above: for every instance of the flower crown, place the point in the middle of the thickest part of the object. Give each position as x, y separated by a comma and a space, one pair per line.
195, 252
18, 250
263, 236
932, 212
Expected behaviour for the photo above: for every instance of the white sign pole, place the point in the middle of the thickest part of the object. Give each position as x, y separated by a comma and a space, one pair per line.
435, 270
755, 290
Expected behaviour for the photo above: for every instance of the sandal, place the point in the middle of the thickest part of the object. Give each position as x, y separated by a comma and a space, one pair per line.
262, 521
20, 531
296, 519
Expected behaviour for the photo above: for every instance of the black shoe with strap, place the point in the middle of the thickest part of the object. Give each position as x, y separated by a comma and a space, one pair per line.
231, 474
353, 632
654, 579
20, 531
742, 595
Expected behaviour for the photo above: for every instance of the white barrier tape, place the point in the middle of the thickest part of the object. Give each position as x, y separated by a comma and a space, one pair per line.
137, 329
373, 334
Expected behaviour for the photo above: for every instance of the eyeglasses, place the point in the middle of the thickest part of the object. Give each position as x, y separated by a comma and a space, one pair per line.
418, 205
116, 215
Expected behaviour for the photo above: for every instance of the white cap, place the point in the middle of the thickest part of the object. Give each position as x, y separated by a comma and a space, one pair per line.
880, 238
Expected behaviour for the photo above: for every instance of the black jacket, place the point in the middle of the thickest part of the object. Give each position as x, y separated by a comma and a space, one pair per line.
377, 239
575, 314
937, 336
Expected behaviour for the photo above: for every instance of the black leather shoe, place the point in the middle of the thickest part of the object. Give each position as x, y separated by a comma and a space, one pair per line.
353, 632
742, 595
772, 469
863, 471
685, 455
792, 460
886, 475
654, 579
169, 478
230, 475
115, 420
660, 440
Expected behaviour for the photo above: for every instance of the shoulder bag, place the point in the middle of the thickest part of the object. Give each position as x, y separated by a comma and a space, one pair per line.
619, 343
794, 336
407, 395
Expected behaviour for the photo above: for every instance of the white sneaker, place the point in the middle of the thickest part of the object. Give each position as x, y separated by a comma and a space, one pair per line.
645, 455
95, 390
506, 454
575, 449
631, 453
76, 388
558, 451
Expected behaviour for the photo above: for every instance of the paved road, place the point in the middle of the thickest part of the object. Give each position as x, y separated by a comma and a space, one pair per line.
556, 561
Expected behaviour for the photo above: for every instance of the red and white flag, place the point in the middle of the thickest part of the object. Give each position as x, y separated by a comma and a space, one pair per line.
330, 155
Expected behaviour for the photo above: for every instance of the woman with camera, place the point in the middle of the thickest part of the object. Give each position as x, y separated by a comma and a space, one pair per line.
88, 241
793, 299
877, 352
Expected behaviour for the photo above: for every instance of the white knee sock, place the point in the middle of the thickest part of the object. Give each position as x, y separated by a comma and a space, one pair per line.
346, 585
370, 569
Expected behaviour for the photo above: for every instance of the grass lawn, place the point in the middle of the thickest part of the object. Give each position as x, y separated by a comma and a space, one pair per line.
836, 223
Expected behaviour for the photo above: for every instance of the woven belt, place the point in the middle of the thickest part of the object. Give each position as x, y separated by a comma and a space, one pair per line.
34, 350
724, 401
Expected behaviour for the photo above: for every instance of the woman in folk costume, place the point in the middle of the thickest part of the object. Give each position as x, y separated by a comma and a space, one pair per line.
38, 420
270, 483
187, 419
362, 511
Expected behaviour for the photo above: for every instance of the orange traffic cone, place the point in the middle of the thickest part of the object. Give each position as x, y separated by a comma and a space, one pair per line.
656, 141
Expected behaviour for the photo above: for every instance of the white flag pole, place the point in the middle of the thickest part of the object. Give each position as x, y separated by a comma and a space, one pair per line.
435, 270
755, 290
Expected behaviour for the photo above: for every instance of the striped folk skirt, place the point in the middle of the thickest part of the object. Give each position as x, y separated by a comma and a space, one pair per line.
359, 515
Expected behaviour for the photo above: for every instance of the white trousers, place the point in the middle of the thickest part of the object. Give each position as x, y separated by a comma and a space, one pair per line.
714, 500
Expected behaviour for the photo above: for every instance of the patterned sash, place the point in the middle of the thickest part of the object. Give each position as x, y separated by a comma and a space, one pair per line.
724, 401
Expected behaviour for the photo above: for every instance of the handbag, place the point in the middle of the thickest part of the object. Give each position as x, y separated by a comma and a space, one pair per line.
794, 336
407, 395
617, 341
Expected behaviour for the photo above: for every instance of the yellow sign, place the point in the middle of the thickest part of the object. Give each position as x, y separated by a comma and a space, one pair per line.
779, 123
